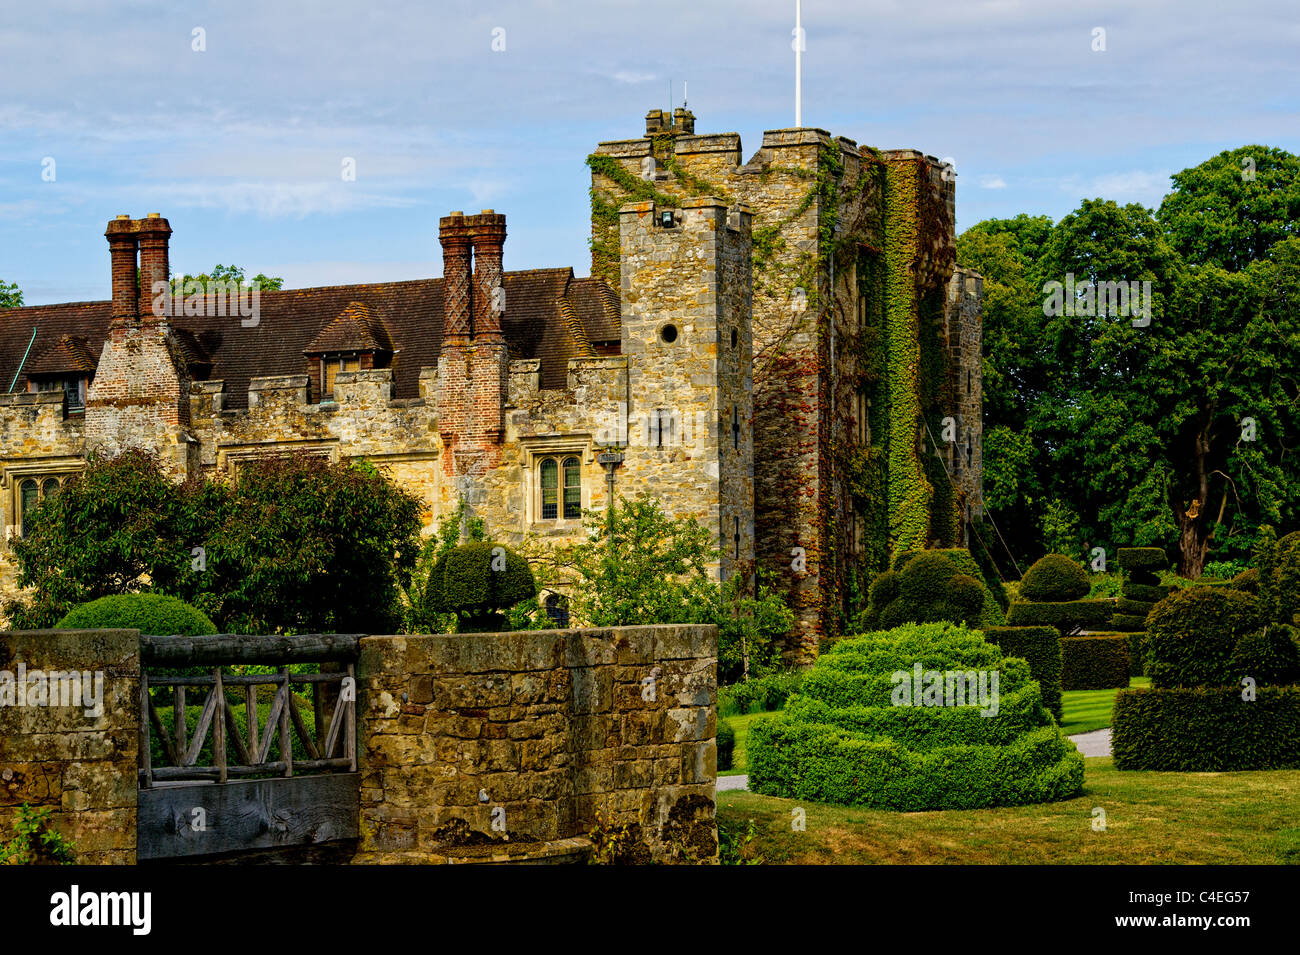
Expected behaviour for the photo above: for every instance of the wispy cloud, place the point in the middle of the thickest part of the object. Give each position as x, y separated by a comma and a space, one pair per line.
992, 182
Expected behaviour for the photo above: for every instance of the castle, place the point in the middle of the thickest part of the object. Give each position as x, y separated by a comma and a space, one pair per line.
783, 349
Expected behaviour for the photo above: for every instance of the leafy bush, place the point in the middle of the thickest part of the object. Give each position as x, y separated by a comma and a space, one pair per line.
1054, 578
1247, 580
1136, 608
759, 694
1136, 559
1104, 585
751, 630
842, 738
1223, 569
1128, 623
476, 581
931, 586
1152, 593
1095, 662
1040, 647
1067, 617
35, 841
1279, 579
726, 744
1207, 729
1192, 633
153, 614
1270, 657
1137, 652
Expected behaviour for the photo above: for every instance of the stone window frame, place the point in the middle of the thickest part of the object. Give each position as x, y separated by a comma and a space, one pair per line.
232, 459
42, 472
557, 448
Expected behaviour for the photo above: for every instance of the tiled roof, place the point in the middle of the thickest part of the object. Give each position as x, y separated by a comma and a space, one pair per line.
69, 354
292, 321
357, 328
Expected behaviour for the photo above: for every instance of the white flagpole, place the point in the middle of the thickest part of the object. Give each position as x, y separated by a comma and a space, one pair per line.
798, 63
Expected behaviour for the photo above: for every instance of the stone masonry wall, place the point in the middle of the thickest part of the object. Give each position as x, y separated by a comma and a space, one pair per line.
504, 745
82, 766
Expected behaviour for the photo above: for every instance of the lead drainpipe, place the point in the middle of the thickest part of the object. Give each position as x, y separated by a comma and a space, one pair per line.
23, 362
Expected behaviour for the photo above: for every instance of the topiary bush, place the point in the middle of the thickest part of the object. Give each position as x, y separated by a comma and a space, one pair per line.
153, 614
1270, 657
852, 735
1191, 635
1247, 580
726, 745
931, 586
1067, 617
1142, 559
476, 581
1279, 580
1096, 661
1054, 578
1040, 647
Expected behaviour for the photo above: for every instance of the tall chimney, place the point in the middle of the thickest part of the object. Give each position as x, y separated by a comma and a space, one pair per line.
455, 238
154, 234
488, 232
122, 246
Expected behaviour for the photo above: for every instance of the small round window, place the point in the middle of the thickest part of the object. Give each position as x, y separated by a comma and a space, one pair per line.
735, 337
668, 333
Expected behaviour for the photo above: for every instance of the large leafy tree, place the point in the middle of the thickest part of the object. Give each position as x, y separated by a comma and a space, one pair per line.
295, 545
11, 296
1179, 433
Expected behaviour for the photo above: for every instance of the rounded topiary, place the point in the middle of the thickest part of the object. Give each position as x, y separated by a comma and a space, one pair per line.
1271, 657
1247, 580
966, 596
726, 744
153, 614
1054, 578
1191, 635
476, 581
884, 589
925, 578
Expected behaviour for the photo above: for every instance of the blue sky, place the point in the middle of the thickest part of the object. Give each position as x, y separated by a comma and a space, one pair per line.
241, 145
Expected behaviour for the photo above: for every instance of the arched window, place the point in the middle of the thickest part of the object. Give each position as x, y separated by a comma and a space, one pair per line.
49, 486
29, 493
572, 489
550, 484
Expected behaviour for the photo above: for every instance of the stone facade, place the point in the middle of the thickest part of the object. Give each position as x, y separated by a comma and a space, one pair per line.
514, 745
78, 763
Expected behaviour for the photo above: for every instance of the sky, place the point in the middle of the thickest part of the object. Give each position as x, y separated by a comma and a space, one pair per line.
236, 120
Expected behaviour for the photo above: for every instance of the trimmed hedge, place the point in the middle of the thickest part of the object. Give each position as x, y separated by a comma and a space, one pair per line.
1270, 657
1040, 647
1095, 662
1137, 608
1142, 559
1279, 580
1152, 593
463, 581
153, 614
1065, 616
726, 744
1055, 578
1191, 635
1247, 580
1207, 729
1128, 623
846, 738
1137, 652
928, 587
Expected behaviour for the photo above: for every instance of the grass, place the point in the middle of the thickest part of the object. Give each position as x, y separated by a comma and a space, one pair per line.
741, 725
1232, 818
1086, 710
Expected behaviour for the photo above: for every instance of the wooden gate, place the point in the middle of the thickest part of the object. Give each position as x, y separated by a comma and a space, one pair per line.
232, 782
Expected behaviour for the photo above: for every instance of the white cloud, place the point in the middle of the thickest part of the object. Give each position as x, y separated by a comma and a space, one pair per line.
992, 182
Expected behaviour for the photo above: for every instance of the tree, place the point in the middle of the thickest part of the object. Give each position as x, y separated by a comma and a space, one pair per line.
226, 274
296, 545
11, 296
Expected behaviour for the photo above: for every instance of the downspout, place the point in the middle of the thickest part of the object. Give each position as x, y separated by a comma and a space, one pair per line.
23, 362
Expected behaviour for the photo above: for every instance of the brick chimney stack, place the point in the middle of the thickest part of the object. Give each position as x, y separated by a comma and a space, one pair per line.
488, 234
123, 242
454, 235
154, 233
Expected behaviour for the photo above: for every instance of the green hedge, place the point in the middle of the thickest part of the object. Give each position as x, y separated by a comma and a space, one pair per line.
1041, 648
153, 614
1142, 559
1095, 662
848, 738
1191, 635
1137, 608
1128, 623
1064, 616
762, 693
1153, 593
726, 744
927, 587
1055, 578
1206, 729
1137, 652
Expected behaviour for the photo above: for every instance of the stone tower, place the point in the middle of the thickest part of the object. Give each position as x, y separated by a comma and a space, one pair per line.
686, 335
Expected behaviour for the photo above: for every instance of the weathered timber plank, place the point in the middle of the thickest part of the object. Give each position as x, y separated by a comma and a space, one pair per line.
232, 648
250, 814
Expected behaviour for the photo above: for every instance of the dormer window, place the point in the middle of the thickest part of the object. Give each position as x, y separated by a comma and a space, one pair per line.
73, 387
358, 339
330, 366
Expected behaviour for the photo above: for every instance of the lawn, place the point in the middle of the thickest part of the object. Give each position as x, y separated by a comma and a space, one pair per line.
741, 725
1234, 818
1088, 710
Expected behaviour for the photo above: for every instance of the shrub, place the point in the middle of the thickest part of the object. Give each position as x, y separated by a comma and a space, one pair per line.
1270, 657
848, 738
1192, 633
1279, 580
1223, 569
1054, 578
1135, 608
1128, 623
1152, 593
1137, 652
931, 586
35, 841
768, 692
1149, 559
1067, 617
1247, 580
478, 580
1207, 729
726, 744
1095, 662
153, 614
1041, 648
